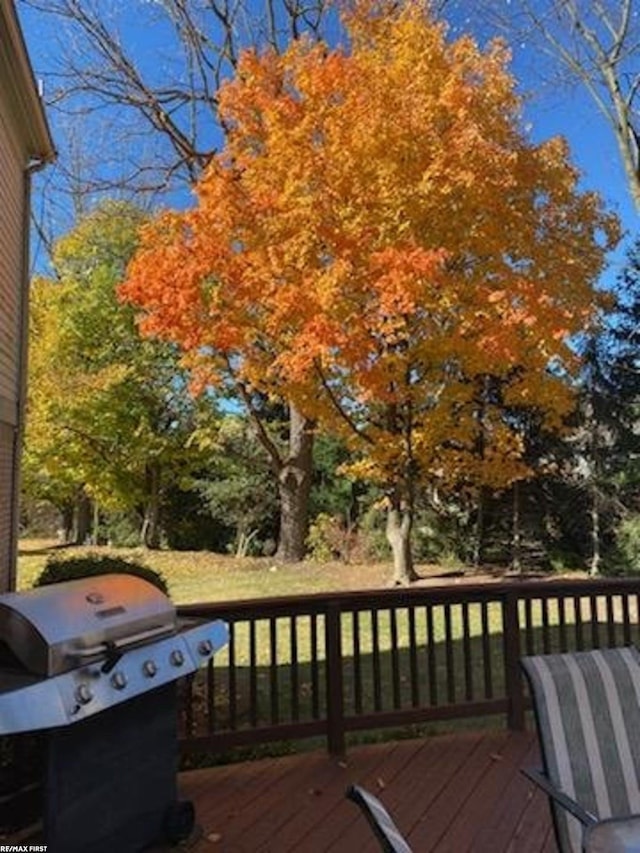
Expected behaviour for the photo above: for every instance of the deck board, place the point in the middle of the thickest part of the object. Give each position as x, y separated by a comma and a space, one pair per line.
448, 794
483, 800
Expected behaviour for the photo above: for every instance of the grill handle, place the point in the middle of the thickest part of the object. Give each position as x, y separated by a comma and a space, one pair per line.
113, 656
123, 642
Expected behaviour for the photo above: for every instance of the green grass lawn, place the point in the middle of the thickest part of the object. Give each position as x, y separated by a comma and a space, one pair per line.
200, 576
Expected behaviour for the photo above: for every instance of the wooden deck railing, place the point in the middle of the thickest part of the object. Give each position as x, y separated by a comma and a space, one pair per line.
330, 664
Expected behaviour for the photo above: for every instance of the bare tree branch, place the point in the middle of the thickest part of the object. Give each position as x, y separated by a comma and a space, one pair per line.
338, 407
598, 43
150, 124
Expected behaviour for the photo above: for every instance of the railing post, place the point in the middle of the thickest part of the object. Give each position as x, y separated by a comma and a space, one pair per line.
335, 695
512, 652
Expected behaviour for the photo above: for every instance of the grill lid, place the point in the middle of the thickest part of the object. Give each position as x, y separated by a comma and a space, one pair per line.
54, 628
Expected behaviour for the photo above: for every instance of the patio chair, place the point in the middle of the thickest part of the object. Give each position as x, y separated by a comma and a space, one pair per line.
387, 833
587, 707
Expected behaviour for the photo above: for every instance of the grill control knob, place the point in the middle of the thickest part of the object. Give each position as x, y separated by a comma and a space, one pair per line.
149, 668
119, 679
205, 647
83, 694
176, 657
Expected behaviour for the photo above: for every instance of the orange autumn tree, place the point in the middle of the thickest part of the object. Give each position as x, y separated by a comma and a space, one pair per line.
380, 244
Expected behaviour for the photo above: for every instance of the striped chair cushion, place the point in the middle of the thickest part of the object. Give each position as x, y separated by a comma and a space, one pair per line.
588, 713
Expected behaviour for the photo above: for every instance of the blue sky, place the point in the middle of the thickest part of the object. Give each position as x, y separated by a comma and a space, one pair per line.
549, 110
593, 150
571, 113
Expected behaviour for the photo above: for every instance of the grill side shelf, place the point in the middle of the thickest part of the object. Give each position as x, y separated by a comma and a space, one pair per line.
37, 706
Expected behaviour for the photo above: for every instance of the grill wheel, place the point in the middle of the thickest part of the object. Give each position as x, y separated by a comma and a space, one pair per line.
179, 821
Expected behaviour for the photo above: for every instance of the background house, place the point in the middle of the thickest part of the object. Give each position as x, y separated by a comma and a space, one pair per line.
25, 146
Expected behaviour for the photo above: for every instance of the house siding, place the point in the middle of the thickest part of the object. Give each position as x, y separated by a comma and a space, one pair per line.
12, 218
7, 520
11, 227
25, 145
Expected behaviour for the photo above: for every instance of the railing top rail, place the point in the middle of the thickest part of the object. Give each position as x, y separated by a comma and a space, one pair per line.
456, 593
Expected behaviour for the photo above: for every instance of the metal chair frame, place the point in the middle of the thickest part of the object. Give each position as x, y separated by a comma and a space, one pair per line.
389, 836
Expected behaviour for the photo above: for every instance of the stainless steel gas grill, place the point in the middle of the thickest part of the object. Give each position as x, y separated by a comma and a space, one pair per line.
93, 663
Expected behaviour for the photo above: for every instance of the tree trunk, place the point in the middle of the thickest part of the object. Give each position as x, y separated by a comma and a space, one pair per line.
66, 514
516, 532
150, 533
294, 486
95, 525
478, 545
593, 462
399, 524
83, 518
594, 568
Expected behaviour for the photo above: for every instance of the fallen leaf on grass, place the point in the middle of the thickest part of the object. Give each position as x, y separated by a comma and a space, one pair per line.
214, 837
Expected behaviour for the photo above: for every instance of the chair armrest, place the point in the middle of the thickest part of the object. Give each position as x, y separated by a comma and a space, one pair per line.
542, 781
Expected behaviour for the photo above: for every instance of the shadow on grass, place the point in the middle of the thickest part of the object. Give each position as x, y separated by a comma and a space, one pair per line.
434, 685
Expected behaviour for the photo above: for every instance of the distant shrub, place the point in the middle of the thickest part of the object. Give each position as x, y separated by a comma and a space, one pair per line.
565, 561
328, 539
188, 525
57, 570
372, 545
120, 529
627, 547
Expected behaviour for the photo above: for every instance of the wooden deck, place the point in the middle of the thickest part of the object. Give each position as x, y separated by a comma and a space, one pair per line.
454, 793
